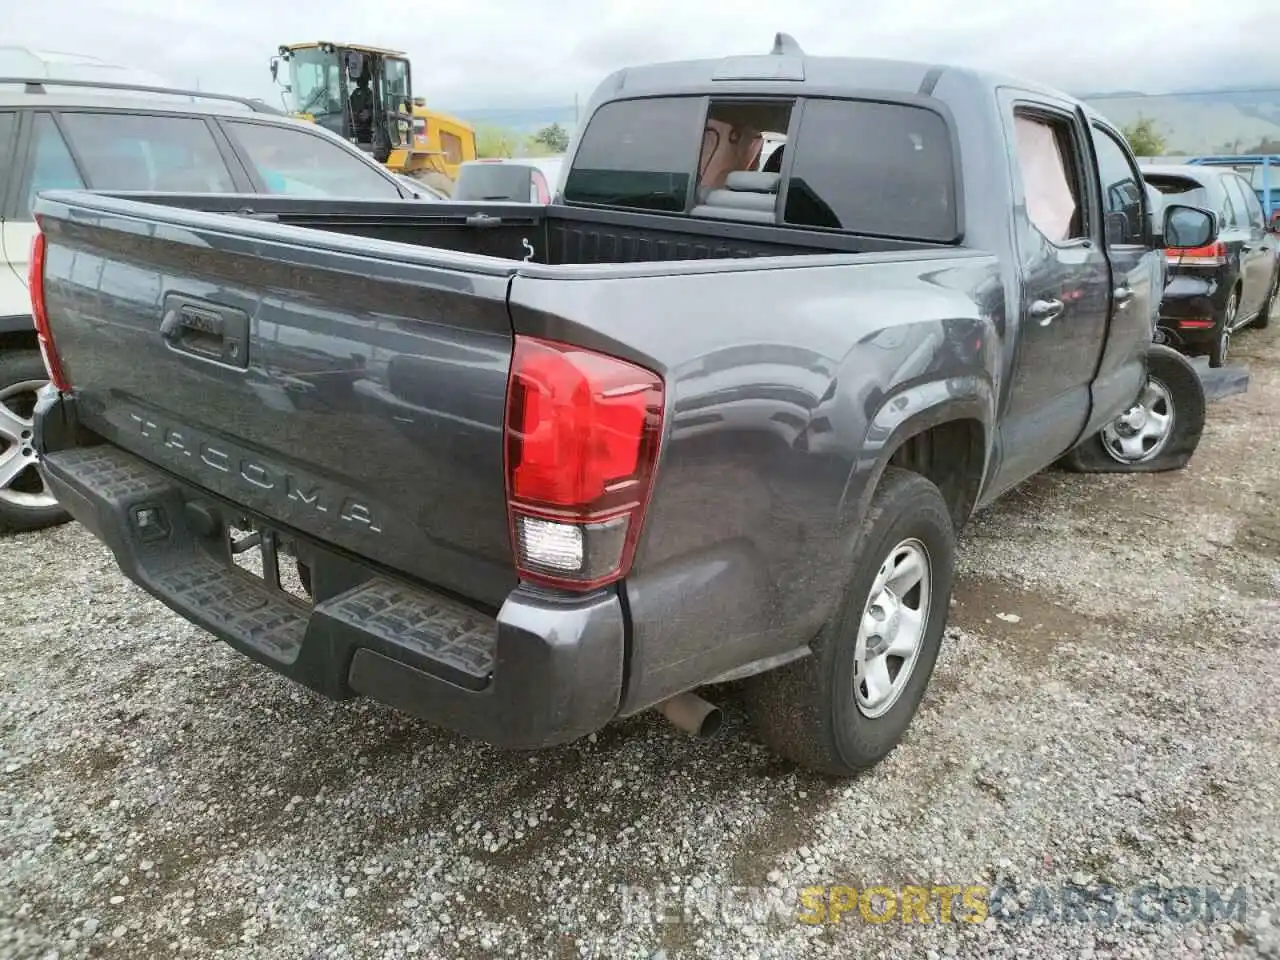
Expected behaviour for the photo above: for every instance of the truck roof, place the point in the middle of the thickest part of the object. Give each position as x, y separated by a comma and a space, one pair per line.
788, 71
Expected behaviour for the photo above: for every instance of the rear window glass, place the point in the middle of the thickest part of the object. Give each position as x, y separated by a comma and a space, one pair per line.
495, 181
147, 152
858, 166
638, 153
1186, 191
875, 168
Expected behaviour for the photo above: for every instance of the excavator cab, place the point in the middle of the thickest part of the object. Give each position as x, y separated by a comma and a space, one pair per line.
361, 93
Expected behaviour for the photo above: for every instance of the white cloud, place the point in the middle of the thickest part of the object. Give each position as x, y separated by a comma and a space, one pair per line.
542, 52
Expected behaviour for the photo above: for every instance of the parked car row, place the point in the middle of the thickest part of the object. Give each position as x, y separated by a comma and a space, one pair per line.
111, 135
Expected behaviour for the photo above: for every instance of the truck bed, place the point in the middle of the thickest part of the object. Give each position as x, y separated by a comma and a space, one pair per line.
556, 235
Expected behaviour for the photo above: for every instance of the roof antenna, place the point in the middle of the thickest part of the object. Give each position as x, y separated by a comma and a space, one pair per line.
784, 45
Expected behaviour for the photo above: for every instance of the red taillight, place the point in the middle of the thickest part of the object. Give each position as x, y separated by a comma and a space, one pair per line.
1213, 255
582, 435
35, 286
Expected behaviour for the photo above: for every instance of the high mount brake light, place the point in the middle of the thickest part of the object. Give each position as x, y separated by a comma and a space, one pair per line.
582, 434
40, 315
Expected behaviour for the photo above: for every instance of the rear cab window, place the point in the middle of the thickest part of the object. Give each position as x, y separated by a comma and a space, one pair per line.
855, 166
168, 154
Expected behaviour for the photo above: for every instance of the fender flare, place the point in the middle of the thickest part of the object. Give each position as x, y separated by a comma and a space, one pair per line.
905, 414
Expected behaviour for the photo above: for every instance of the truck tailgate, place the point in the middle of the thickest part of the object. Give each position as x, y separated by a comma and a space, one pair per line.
348, 389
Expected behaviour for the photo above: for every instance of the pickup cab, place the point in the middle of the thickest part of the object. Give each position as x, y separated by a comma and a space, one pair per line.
524, 469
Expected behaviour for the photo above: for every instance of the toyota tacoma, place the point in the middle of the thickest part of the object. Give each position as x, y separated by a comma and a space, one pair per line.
708, 416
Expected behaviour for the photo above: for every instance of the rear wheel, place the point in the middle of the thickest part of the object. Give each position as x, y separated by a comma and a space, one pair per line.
1222, 340
845, 707
25, 500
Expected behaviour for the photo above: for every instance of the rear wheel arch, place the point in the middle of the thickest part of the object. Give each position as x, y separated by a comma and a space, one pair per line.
952, 455
922, 442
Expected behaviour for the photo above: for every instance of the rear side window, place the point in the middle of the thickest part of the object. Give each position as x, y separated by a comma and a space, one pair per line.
49, 161
639, 154
300, 164
147, 152
1047, 154
874, 168
1247, 202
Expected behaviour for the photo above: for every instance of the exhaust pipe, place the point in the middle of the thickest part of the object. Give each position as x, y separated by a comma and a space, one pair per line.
692, 714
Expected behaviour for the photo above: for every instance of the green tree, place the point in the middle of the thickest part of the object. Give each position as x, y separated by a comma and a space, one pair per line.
554, 137
1144, 139
495, 142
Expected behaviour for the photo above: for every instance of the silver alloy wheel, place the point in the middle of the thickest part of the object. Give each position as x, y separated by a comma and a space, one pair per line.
1142, 432
891, 631
21, 484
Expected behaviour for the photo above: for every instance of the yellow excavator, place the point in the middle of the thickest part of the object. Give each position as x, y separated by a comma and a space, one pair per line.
365, 94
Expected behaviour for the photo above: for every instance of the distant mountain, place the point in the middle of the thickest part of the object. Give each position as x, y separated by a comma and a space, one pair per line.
519, 119
1226, 120
1192, 122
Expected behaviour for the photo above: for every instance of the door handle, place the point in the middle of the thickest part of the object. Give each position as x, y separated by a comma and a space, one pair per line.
206, 331
1047, 311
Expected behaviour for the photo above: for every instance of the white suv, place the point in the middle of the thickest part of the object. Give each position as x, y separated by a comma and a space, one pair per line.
107, 135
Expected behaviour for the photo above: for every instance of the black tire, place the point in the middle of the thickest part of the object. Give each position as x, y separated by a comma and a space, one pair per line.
806, 711
20, 367
1186, 395
1219, 350
1263, 320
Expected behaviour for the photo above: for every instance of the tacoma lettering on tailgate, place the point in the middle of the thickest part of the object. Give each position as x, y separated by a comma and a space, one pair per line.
253, 471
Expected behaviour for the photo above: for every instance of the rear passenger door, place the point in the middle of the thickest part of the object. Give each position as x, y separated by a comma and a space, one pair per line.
1257, 258
1065, 297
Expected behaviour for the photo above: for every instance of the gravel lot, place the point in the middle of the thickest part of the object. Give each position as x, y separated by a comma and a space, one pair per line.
1105, 713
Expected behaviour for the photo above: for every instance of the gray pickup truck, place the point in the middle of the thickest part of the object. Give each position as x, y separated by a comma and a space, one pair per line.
709, 416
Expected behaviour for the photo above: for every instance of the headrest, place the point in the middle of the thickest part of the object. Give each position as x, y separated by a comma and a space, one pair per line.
752, 182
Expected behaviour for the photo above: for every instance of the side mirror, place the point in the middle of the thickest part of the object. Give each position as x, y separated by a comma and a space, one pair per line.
275, 69
1186, 228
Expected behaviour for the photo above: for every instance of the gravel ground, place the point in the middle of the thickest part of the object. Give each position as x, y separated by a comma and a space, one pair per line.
1105, 714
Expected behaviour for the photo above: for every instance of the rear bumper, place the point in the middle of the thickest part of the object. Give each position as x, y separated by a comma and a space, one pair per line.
1196, 300
542, 671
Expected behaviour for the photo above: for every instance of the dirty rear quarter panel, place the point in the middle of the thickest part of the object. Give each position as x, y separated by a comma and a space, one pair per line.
787, 385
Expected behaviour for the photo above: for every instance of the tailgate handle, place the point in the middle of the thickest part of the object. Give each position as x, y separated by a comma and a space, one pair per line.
206, 331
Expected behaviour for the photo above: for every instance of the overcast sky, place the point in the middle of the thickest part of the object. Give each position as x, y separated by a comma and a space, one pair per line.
481, 53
